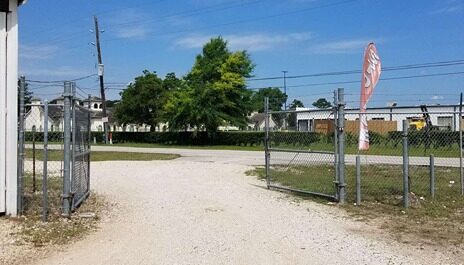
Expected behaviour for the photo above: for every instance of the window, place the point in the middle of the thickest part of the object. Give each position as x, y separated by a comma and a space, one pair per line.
95, 106
100, 128
101, 106
445, 121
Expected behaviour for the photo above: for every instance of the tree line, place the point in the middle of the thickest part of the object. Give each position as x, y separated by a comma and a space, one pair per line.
212, 94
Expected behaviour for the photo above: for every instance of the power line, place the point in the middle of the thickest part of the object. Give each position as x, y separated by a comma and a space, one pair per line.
358, 81
189, 13
60, 81
244, 21
349, 72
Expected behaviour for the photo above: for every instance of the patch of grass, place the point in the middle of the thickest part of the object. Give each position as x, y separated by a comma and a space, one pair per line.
201, 147
438, 220
58, 230
123, 156
96, 156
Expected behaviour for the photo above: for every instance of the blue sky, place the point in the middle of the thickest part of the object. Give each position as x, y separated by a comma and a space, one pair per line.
299, 36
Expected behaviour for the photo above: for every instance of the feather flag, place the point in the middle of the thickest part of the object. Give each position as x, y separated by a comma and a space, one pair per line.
372, 69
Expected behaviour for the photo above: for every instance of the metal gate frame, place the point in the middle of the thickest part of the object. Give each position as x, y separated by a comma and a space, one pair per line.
338, 154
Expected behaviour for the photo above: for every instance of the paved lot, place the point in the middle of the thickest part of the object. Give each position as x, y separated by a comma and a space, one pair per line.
202, 209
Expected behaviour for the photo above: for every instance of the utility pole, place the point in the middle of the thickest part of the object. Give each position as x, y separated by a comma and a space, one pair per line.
285, 88
102, 83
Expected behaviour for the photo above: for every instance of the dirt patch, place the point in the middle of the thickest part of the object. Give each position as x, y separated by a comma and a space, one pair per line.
27, 238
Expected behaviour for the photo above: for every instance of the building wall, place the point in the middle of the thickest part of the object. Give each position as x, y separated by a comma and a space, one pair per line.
438, 115
8, 110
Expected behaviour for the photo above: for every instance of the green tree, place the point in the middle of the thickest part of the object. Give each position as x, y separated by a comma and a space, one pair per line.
322, 103
28, 95
292, 116
143, 101
276, 99
215, 92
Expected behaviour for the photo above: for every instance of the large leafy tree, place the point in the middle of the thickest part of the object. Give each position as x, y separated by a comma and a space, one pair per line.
292, 116
215, 92
143, 101
322, 103
276, 99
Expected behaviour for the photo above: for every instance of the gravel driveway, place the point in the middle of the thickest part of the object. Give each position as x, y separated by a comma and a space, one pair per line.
204, 210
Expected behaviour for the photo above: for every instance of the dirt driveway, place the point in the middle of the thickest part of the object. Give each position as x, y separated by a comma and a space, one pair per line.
203, 210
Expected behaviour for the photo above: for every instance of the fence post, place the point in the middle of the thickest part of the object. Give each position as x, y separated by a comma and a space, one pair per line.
358, 180
22, 88
67, 149
33, 161
432, 176
335, 109
461, 175
45, 165
341, 145
89, 131
405, 165
73, 140
266, 141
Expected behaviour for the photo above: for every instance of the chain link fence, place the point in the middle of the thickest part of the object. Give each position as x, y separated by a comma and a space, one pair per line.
81, 135
54, 155
432, 151
414, 154
301, 154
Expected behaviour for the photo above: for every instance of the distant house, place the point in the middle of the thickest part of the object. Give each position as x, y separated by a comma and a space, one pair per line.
257, 122
34, 118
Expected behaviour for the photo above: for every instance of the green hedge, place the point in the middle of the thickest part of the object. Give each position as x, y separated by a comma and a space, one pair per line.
191, 138
433, 139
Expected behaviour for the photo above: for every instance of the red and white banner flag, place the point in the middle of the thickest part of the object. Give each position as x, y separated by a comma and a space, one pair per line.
370, 77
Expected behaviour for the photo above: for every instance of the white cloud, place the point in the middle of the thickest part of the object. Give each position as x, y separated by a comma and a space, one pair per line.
63, 72
130, 24
342, 46
437, 98
250, 42
137, 32
30, 52
450, 7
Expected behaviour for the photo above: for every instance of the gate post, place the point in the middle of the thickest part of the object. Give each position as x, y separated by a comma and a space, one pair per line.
22, 87
45, 165
405, 164
67, 149
341, 145
266, 141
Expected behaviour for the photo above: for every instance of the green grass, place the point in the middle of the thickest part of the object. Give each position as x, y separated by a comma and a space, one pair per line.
96, 156
382, 149
432, 221
201, 147
376, 149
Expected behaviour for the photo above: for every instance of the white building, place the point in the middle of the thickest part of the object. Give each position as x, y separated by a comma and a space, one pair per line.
443, 116
34, 118
8, 106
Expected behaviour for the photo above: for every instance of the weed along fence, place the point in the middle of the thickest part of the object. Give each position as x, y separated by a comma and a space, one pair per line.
414, 156
54, 154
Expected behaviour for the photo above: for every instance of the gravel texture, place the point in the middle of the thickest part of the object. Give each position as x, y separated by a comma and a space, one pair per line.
204, 210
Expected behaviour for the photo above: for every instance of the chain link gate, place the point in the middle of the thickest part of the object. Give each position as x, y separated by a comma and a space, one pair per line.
53, 153
303, 157
80, 173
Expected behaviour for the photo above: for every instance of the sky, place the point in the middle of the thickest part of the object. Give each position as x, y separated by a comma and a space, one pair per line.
302, 37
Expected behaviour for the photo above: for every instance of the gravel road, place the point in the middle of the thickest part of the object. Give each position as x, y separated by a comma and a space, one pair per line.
203, 210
